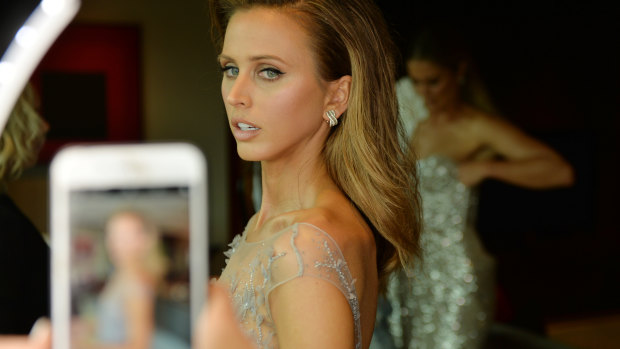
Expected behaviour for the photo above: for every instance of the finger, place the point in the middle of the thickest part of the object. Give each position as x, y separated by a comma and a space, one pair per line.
41, 330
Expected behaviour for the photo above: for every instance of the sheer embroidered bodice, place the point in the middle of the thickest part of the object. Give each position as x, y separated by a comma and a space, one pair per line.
254, 269
448, 301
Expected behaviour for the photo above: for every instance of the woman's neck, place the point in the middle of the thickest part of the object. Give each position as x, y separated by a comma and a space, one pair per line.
137, 271
449, 113
290, 186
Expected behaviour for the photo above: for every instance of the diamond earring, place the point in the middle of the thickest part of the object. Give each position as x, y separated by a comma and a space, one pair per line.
331, 115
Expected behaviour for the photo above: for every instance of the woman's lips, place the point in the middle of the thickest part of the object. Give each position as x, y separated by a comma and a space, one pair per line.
246, 127
243, 130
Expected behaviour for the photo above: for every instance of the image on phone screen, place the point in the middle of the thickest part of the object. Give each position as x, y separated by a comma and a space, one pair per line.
130, 268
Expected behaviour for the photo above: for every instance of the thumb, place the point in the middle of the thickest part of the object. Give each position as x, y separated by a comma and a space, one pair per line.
41, 333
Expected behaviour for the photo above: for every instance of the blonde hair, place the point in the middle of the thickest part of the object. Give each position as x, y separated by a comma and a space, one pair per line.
23, 134
363, 154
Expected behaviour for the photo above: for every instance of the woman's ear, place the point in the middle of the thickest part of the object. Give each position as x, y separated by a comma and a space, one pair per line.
338, 95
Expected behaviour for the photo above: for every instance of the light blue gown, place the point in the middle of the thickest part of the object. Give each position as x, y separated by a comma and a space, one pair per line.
254, 269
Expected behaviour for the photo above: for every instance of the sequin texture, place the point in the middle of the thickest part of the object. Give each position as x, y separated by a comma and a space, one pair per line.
448, 302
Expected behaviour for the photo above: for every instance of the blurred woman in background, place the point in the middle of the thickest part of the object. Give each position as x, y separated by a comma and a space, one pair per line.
460, 141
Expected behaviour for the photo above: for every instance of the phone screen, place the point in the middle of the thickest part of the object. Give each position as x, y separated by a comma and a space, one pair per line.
130, 267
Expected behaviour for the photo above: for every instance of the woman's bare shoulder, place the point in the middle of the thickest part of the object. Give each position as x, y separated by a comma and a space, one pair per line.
345, 225
481, 123
474, 115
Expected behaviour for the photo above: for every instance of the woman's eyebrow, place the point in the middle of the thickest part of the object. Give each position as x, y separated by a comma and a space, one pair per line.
252, 58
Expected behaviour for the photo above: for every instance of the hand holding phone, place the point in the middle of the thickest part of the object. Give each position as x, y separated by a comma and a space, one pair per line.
129, 245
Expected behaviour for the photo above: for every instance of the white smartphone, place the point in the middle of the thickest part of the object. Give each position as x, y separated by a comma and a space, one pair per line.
129, 244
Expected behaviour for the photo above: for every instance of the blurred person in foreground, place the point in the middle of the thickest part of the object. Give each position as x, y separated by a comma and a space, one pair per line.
24, 254
460, 141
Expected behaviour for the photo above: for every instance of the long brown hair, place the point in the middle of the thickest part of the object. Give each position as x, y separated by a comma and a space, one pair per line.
363, 154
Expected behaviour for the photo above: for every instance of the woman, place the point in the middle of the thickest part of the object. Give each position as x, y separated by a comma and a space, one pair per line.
449, 302
309, 91
125, 316
24, 255
126, 312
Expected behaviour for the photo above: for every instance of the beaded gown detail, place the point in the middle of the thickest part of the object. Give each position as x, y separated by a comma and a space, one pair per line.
448, 303
254, 269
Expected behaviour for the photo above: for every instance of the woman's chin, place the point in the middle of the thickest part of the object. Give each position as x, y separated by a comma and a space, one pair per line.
254, 150
247, 155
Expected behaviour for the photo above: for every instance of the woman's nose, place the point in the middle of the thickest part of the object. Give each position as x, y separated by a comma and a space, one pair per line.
239, 92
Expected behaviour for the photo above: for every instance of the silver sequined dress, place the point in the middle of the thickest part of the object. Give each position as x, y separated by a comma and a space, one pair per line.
254, 269
448, 303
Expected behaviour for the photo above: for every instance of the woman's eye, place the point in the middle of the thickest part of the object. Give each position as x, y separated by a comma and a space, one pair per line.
230, 71
270, 73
